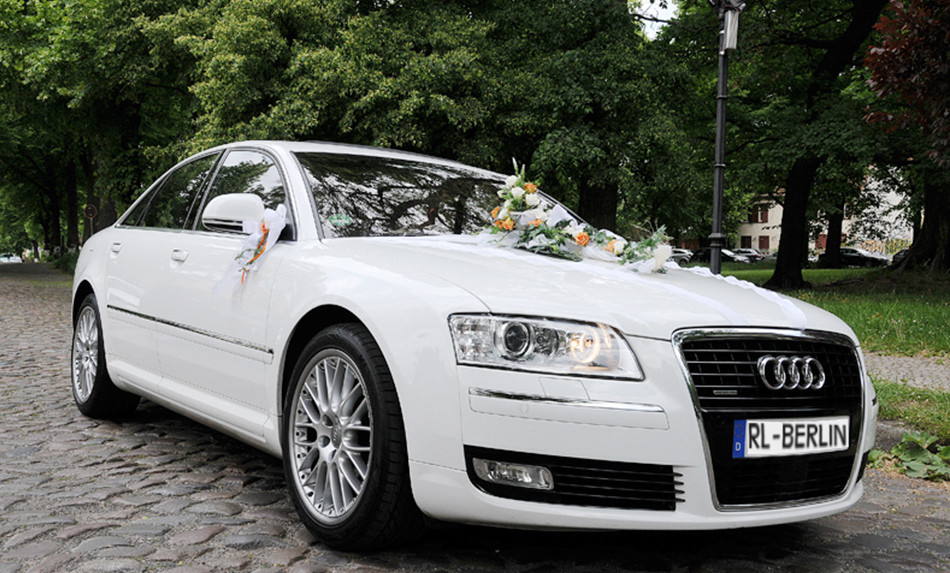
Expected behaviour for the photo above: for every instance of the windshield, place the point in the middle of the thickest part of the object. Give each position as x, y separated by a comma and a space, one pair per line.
363, 196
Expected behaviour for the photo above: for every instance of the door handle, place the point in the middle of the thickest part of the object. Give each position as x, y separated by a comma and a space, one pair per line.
179, 255
116, 247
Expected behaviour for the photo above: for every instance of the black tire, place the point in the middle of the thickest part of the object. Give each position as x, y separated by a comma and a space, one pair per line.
95, 394
382, 513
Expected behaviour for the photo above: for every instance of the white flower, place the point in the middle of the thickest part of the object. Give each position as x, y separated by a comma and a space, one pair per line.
532, 214
660, 255
503, 213
511, 181
619, 246
574, 229
517, 192
532, 200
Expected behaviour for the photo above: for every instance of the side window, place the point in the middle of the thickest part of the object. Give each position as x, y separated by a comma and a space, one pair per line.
249, 172
168, 206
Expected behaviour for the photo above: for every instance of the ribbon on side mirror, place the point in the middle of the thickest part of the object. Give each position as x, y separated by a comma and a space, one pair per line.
261, 236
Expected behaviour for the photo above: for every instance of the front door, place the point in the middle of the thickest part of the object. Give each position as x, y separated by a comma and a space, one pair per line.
213, 345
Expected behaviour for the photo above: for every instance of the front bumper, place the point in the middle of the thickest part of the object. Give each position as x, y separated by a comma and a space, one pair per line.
655, 422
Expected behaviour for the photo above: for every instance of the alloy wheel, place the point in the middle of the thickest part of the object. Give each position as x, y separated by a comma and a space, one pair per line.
332, 436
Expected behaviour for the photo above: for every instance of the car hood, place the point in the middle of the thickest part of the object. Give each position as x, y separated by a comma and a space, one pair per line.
517, 282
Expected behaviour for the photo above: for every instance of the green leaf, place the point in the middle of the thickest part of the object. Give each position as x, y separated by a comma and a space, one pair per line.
909, 451
916, 470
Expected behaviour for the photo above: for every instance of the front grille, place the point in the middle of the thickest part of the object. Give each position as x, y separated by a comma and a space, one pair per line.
587, 482
722, 368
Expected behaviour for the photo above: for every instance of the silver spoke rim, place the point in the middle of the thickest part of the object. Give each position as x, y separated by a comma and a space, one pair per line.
85, 360
332, 436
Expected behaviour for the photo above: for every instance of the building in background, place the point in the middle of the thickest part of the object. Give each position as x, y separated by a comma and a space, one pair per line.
880, 230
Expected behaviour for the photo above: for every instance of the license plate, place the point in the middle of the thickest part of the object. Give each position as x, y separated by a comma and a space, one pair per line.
799, 436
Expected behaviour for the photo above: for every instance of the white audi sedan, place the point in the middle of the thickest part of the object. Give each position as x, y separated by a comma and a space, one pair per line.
337, 306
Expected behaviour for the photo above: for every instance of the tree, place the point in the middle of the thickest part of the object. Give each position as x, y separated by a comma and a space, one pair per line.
909, 62
558, 85
789, 101
88, 97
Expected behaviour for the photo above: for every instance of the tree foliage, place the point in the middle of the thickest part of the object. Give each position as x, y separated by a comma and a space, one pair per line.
910, 72
99, 96
911, 60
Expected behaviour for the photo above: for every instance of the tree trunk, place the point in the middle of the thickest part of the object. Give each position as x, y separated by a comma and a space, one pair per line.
598, 204
52, 229
931, 248
89, 227
793, 241
72, 209
840, 53
107, 213
833, 245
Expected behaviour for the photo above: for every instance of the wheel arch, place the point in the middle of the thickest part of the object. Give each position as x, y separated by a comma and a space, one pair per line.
82, 291
306, 328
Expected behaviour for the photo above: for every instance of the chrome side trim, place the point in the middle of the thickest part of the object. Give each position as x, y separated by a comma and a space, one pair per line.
202, 332
623, 406
775, 334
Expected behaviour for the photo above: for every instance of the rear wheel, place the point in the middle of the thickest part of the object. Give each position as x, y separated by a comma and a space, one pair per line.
344, 446
95, 394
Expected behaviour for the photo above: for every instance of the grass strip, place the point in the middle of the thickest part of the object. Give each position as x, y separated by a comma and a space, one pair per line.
904, 314
926, 410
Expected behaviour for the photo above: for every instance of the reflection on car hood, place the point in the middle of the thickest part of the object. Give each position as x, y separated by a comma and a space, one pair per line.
511, 281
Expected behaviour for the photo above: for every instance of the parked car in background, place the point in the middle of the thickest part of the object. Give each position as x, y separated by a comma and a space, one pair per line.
403, 366
899, 256
856, 257
753, 255
10, 258
681, 256
726, 256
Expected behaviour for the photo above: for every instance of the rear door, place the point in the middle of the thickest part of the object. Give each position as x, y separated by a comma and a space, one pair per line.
139, 245
213, 346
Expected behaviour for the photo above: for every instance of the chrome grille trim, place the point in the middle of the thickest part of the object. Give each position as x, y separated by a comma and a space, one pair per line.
769, 334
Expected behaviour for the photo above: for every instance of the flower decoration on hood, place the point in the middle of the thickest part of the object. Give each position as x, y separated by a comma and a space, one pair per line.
527, 220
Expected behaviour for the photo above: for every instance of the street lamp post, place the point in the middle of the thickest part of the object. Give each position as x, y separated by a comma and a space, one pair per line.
728, 12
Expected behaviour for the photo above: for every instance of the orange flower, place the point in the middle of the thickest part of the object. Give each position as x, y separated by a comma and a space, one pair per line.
530, 188
582, 238
610, 246
535, 223
494, 212
508, 224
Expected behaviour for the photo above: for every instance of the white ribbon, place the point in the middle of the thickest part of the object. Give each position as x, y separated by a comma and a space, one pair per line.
261, 237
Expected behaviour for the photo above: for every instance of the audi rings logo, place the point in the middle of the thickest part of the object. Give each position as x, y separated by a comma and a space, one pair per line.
790, 372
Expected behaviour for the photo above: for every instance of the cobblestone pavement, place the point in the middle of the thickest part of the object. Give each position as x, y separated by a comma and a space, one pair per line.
159, 492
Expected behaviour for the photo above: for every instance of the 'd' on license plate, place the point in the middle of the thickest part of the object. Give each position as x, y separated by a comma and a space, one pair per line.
798, 436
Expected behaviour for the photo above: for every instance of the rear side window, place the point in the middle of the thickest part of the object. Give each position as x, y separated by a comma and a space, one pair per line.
169, 205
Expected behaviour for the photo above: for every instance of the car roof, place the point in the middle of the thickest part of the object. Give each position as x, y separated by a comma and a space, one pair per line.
351, 149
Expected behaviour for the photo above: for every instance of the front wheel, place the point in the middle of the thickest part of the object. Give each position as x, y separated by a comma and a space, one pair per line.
95, 394
344, 445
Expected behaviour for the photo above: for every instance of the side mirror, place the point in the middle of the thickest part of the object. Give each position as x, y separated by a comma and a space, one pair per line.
228, 212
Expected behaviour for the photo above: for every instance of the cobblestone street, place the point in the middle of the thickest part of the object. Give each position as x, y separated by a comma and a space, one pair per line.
159, 492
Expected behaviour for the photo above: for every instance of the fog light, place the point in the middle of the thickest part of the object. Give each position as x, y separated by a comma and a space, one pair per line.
518, 475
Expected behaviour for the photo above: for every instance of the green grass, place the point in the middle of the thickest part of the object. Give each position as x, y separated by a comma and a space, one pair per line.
904, 314
817, 277
926, 410
904, 324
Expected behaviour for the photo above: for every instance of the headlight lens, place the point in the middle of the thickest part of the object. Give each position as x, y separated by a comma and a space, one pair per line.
542, 345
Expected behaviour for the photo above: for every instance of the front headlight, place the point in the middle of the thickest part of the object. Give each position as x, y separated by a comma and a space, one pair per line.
542, 345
